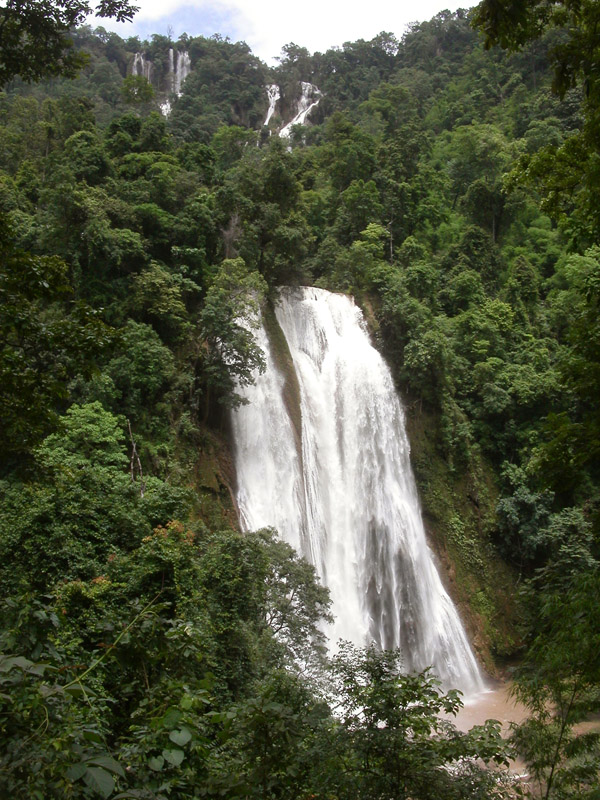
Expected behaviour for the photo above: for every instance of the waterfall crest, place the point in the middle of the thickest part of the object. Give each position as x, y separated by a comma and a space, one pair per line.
342, 492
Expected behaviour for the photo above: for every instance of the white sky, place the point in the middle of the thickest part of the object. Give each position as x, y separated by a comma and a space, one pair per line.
266, 25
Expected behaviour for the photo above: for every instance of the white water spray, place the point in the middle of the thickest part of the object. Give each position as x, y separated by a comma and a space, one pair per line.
341, 489
178, 71
142, 67
273, 94
309, 99
182, 70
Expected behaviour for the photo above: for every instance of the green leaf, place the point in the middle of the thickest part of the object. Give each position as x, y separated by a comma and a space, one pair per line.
8, 662
92, 736
174, 757
77, 690
170, 718
100, 781
109, 763
180, 737
186, 703
156, 763
76, 771
37, 669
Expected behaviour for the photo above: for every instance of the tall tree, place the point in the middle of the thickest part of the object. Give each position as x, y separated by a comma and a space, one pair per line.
565, 176
46, 338
35, 37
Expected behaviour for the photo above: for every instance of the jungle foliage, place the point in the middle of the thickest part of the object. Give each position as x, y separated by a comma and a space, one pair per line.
147, 649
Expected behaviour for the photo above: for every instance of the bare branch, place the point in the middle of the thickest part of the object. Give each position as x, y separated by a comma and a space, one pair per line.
135, 463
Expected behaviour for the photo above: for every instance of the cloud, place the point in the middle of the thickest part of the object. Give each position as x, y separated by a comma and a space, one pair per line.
266, 25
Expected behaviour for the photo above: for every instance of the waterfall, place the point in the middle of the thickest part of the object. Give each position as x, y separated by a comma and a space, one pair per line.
273, 94
178, 71
270, 489
182, 70
142, 67
306, 103
165, 106
334, 478
171, 73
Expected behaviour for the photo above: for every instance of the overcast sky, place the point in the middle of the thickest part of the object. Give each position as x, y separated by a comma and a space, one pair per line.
266, 25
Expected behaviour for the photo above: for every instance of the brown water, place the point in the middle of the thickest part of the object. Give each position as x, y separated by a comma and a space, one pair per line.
494, 703
497, 703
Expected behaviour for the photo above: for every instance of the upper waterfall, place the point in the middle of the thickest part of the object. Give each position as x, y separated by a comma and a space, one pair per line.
274, 94
335, 480
142, 67
179, 69
183, 67
308, 100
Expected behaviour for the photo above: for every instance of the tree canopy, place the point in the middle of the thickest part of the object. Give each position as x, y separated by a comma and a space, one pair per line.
35, 35
151, 650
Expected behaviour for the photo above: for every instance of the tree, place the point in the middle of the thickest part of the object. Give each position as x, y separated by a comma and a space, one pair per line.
84, 505
157, 297
395, 739
566, 174
110, 683
138, 377
86, 157
296, 604
278, 741
46, 339
570, 449
229, 144
359, 206
119, 678
514, 23
229, 316
348, 153
136, 90
34, 36
559, 680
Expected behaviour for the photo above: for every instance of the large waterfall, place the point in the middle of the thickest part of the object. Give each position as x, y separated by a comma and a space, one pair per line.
322, 456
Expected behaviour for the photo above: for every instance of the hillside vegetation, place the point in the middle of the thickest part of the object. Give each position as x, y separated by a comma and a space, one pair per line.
150, 650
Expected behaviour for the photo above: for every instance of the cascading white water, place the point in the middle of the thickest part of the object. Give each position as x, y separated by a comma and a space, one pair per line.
269, 475
142, 67
341, 490
183, 68
178, 71
165, 106
273, 94
309, 99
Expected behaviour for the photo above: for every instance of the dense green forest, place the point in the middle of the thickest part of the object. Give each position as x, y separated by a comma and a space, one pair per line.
448, 180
